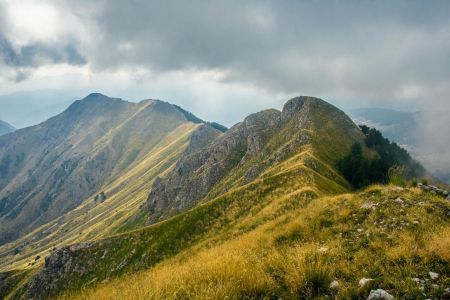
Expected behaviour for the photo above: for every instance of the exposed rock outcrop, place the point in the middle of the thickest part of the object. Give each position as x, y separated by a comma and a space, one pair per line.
260, 141
201, 168
51, 277
434, 189
380, 295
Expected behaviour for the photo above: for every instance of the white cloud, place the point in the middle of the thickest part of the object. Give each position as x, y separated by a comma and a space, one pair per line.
31, 21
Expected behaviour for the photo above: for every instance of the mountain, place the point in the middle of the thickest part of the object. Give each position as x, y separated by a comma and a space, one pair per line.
258, 212
5, 128
29, 108
51, 168
252, 147
396, 125
407, 129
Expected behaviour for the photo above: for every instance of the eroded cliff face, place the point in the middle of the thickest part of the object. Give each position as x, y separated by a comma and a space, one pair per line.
241, 154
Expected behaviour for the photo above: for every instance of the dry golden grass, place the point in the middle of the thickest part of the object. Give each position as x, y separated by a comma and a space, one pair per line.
296, 255
439, 243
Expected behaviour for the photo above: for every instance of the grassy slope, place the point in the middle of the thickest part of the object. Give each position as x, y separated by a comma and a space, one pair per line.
229, 216
288, 234
94, 219
286, 185
292, 247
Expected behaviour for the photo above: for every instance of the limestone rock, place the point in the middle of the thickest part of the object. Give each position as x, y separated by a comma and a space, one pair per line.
380, 294
57, 265
334, 285
433, 275
399, 200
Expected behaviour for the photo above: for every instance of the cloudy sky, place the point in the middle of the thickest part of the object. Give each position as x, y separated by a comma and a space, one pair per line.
225, 59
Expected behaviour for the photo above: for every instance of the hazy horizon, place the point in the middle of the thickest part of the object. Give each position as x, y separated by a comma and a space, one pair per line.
56, 101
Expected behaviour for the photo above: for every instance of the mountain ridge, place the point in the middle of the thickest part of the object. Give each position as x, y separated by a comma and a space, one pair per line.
258, 211
6, 128
195, 176
97, 136
287, 167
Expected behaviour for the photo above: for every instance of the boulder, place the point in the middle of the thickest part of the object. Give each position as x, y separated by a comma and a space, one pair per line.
380, 294
416, 280
323, 249
423, 187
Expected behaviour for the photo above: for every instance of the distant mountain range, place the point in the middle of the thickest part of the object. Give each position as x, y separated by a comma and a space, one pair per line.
5, 128
406, 129
398, 126
23, 109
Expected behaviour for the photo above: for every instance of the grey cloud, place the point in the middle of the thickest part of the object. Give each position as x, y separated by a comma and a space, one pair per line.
27, 58
354, 53
357, 53
364, 49
360, 49
38, 54
22, 59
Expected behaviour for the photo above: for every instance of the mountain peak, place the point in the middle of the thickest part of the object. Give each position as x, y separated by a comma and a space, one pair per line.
294, 105
95, 96
95, 103
68, 157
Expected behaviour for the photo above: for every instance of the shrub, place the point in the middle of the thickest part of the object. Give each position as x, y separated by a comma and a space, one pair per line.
397, 175
316, 280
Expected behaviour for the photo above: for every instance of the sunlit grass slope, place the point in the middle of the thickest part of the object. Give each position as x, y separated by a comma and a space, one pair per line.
279, 190
97, 218
292, 247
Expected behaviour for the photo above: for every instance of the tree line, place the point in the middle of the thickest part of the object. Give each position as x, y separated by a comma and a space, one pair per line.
390, 160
